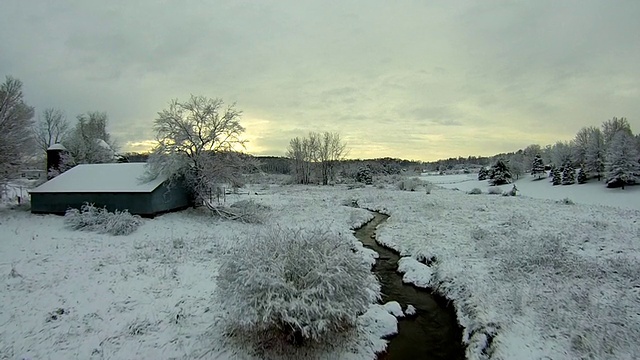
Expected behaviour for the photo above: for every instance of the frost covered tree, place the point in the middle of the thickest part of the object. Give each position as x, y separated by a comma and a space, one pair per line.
89, 142
568, 174
197, 141
16, 121
51, 128
580, 145
622, 160
500, 173
537, 168
561, 153
294, 285
612, 126
595, 154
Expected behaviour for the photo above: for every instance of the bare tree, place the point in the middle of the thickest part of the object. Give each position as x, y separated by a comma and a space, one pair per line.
331, 150
197, 140
16, 137
318, 153
52, 128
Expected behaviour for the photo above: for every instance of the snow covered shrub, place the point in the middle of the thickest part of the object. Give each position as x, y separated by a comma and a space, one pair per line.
494, 191
428, 186
246, 211
250, 211
475, 191
409, 184
91, 218
351, 202
293, 285
566, 201
121, 223
512, 192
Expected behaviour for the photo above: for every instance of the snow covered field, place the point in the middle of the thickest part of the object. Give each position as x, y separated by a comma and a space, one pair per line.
530, 278
70, 294
593, 192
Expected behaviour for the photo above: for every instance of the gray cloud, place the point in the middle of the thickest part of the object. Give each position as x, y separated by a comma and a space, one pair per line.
411, 79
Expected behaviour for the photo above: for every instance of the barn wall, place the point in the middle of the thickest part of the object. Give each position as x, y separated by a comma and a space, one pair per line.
165, 198
58, 203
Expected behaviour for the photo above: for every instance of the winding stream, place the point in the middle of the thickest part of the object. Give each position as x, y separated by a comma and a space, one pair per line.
433, 333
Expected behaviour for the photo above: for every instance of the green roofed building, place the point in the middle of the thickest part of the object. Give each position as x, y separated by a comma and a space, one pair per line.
114, 186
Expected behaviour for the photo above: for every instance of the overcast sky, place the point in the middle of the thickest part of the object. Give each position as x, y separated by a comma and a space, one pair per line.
412, 79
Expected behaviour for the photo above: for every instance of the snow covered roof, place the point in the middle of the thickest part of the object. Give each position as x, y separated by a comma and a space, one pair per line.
57, 146
108, 178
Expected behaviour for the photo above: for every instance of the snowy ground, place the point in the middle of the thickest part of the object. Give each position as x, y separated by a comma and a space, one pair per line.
78, 295
530, 278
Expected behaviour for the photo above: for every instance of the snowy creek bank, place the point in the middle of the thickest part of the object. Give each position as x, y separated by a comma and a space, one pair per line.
433, 331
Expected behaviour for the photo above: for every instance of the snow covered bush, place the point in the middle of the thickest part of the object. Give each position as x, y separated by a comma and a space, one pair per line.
475, 191
91, 218
246, 211
494, 191
566, 201
409, 184
294, 285
428, 186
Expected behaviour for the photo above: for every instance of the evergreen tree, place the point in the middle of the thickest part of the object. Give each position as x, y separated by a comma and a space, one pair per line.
500, 173
556, 176
568, 174
582, 176
537, 168
483, 174
364, 175
622, 160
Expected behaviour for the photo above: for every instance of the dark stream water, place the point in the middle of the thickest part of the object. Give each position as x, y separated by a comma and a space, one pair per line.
434, 333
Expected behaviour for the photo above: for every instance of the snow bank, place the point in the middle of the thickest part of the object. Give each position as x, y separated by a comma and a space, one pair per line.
394, 308
415, 272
